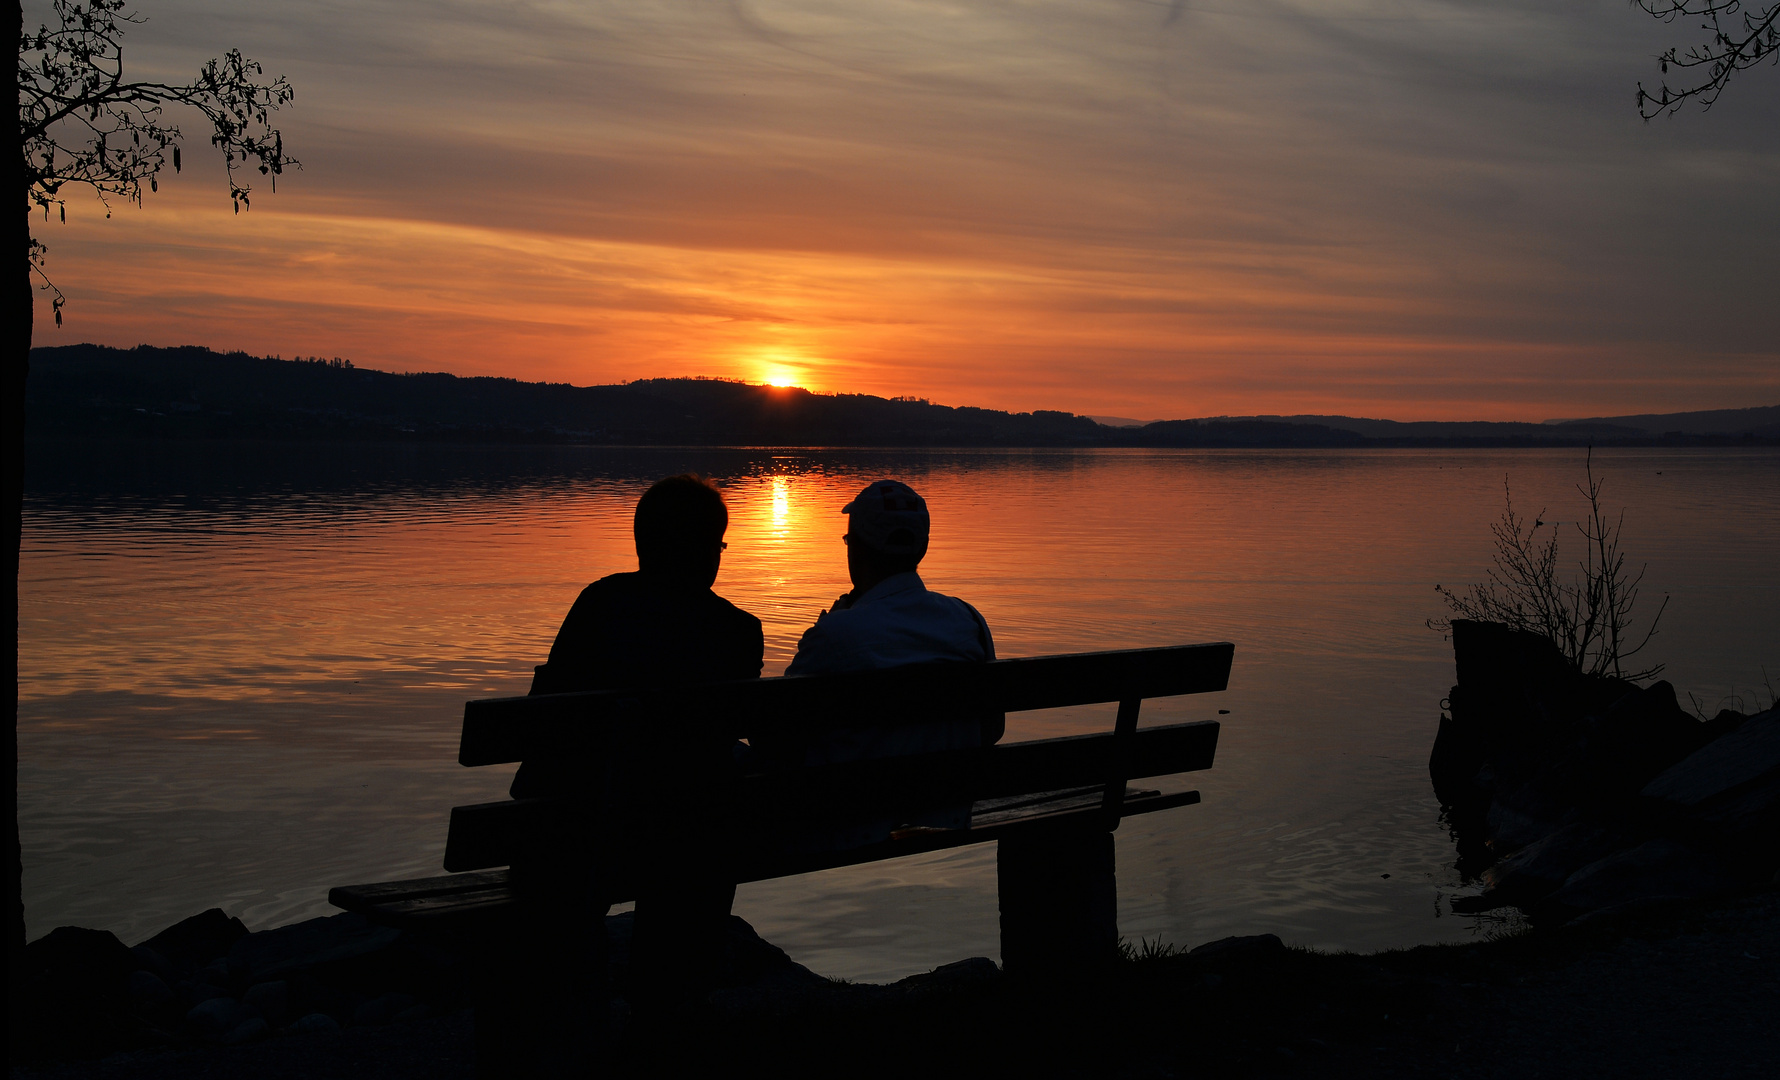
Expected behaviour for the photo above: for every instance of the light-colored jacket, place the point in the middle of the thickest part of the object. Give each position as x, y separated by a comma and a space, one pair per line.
898, 621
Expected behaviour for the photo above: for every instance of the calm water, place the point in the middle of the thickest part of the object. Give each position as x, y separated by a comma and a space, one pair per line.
242, 668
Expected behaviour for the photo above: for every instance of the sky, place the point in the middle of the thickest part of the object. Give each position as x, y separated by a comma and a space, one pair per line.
1145, 208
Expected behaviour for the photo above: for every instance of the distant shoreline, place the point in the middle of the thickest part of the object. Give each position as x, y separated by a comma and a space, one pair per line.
37, 438
96, 393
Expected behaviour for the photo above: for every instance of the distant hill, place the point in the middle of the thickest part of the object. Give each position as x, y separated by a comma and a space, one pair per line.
94, 392
1764, 419
1762, 422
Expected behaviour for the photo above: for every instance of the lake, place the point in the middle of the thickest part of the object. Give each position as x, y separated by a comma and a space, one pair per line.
242, 667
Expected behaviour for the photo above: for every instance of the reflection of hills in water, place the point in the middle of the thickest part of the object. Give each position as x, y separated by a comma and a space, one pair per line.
91, 478
88, 391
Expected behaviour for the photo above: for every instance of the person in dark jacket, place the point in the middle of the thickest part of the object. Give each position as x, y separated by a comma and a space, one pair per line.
659, 626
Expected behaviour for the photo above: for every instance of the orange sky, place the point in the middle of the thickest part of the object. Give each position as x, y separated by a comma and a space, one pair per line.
1406, 209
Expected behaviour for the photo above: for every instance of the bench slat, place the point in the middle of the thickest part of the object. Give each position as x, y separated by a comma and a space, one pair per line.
457, 897
489, 834
503, 730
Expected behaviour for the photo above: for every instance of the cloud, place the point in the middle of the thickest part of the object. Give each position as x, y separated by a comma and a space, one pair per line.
1433, 208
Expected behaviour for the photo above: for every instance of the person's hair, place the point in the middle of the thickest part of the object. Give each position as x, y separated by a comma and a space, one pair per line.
679, 520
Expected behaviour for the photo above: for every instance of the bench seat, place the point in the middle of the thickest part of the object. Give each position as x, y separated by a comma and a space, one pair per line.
430, 903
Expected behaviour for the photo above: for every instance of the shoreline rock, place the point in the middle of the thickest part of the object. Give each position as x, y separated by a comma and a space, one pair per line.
1570, 793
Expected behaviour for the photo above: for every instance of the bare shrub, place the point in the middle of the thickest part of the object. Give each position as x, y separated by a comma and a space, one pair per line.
1589, 615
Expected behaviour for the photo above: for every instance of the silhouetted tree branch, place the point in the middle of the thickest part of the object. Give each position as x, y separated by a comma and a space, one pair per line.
1740, 37
82, 123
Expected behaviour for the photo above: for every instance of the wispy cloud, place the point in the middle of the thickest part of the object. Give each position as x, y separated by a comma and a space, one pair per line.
1147, 208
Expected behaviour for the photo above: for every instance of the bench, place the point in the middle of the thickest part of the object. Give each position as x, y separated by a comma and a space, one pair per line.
1050, 805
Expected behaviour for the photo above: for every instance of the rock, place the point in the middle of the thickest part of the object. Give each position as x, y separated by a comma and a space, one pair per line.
1238, 948
1747, 754
216, 973
1493, 657
347, 948
153, 1000
975, 971
381, 1010
747, 956
74, 956
247, 1031
316, 1023
1727, 721
155, 962
75, 996
191, 943
1512, 828
192, 992
1543, 866
1453, 764
1659, 868
213, 1019
1643, 733
271, 999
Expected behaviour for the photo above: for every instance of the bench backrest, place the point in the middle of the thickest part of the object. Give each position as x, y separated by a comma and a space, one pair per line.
504, 730
606, 726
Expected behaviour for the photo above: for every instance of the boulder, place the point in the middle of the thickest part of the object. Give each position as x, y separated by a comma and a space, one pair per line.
75, 999
212, 1020
1749, 753
153, 1000
1543, 866
747, 956
1496, 659
271, 999
249, 1030
1661, 868
192, 991
382, 1009
975, 971
1237, 949
315, 1024
1641, 734
1728, 794
74, 959
188, 945
1453, 764
1513, 824
346, 947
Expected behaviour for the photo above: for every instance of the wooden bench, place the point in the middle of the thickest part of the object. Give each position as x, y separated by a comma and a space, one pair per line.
1051, 805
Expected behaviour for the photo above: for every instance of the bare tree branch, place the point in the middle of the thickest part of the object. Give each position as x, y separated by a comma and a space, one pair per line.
1739, 37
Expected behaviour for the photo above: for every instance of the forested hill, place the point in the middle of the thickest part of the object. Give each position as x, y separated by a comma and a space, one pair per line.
92, 391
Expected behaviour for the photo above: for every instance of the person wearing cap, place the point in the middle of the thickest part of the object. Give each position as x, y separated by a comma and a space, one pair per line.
889, 619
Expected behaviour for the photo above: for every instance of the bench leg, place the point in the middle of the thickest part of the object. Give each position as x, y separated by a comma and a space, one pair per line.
1059, 902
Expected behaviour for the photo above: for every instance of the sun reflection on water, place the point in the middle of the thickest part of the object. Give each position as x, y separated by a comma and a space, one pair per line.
781, 504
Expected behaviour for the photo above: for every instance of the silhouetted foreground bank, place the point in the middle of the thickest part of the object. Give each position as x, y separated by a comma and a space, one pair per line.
1680, 990
91, 391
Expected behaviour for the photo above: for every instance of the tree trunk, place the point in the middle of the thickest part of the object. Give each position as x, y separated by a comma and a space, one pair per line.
17, 365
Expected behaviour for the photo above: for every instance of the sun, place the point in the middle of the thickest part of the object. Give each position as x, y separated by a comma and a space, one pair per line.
780, 375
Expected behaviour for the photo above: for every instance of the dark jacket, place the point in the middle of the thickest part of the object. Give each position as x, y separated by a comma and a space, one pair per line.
642, 630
